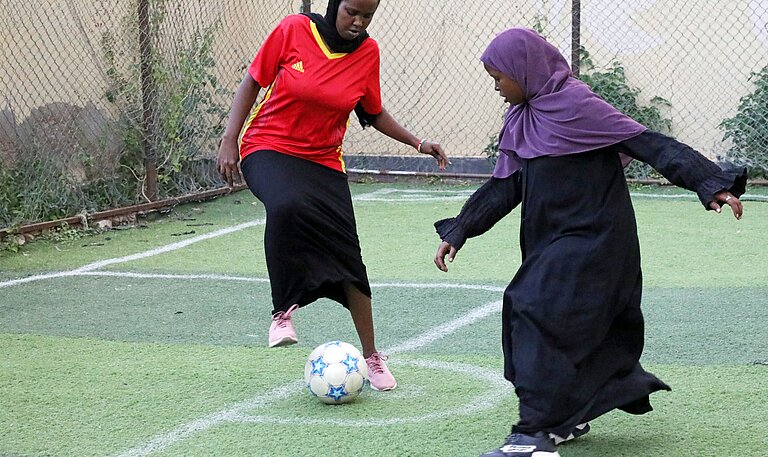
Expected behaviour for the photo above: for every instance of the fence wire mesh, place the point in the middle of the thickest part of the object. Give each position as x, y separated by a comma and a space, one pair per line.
106, 104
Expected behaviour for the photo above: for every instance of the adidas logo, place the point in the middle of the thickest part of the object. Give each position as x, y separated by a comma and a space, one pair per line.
298, 66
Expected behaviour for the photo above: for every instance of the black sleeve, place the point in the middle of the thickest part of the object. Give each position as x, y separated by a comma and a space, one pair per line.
488, 205
363, 116
683, 166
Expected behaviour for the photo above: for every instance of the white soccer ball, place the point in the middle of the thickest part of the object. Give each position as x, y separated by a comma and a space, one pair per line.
335, 372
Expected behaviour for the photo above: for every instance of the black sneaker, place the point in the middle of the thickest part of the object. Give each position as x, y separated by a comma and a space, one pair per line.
521, 445
580, 430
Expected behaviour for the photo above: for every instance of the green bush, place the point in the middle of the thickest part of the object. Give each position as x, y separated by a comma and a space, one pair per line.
74, 159
748, 129
187, 112
9, 196
612, 85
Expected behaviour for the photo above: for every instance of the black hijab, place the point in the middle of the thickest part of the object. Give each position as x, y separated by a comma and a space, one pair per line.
326, 25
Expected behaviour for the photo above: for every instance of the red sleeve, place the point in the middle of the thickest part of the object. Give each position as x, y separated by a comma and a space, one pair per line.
265, 65
371, 101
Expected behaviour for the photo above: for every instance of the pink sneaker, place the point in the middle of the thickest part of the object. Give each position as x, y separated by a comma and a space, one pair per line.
378, 373
281, 332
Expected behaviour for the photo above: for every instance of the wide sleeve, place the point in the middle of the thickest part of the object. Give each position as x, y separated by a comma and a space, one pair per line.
683, 166
488, 205
267, 62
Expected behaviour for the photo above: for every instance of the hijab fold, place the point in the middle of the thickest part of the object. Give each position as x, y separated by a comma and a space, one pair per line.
561, 115
326, 25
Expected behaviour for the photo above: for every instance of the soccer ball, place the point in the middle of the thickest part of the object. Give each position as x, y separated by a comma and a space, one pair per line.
335, 372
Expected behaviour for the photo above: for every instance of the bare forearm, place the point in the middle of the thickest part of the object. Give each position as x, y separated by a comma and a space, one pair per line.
242, 103
387, 125
227, 162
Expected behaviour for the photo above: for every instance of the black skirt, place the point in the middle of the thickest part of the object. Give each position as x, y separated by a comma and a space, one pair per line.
310, 242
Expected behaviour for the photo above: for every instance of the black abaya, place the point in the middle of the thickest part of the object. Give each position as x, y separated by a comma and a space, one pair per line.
572, 327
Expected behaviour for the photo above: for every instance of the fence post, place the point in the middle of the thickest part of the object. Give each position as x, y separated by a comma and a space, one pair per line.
148, 107
575, 37
306, 6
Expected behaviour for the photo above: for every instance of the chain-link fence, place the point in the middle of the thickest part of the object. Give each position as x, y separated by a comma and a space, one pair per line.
113, 103
107, 104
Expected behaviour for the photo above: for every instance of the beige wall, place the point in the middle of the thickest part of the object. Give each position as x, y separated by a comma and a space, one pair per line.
698, 55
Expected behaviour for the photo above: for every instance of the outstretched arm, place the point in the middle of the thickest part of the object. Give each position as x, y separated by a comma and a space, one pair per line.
687, 168
488, 205
386, 124
229, 154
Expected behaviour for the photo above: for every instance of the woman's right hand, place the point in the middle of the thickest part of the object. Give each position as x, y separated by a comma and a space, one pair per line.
436, 151
444, 250
228, 161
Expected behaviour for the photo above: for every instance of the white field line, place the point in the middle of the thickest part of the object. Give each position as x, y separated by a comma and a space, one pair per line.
153, 252
693, 197
211, 277
235, 413
15, 282
498, 388
414, 195
206, 277
169, 247
141, 255
138, 256
232, 414
446, 329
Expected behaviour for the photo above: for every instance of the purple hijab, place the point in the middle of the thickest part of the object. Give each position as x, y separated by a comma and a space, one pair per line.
561, 115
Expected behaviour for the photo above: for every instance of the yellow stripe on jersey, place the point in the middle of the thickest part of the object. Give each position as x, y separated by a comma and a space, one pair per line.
254, 114
341, 159
321, 43
341, 153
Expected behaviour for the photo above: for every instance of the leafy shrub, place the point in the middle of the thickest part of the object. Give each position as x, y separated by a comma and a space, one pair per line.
748, 129
188, 115
612, 85
72, 159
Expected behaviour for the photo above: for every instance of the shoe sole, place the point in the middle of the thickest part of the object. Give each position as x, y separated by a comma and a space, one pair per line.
384, 390
284, 341
575, 434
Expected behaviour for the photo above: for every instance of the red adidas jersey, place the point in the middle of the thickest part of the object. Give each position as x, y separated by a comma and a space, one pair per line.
311, 93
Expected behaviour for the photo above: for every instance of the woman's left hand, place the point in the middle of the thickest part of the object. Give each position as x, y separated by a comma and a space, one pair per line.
436, 151
726, 198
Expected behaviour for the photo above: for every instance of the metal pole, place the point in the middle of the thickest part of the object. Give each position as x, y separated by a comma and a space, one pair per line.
575, 37
306, 6
148, 93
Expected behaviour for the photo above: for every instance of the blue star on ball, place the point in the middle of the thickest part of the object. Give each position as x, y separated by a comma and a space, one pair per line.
351, 363
319, 366
337, 393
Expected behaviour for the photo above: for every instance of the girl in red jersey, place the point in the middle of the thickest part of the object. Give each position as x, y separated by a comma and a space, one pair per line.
317, 70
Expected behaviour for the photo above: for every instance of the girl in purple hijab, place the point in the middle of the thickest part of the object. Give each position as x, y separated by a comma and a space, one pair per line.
572, 326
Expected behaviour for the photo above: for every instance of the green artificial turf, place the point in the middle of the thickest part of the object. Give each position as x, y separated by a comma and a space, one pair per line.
124, 362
